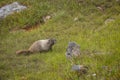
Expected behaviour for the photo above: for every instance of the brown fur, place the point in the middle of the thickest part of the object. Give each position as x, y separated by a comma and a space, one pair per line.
25, 52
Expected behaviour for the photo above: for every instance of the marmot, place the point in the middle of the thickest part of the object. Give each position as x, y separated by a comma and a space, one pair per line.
39, 46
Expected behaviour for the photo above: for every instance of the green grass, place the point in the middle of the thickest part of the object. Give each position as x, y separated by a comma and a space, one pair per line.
100, 43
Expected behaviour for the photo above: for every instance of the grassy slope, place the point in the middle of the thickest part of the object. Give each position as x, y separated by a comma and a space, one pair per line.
89, 32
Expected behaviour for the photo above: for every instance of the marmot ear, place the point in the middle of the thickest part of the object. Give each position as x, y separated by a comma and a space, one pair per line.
49, 41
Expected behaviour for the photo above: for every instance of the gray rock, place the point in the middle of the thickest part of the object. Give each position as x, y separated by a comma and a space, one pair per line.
76, 67
10, 9
80, 68
73, 50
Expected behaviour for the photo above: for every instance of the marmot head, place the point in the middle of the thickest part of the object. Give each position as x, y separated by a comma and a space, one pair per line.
51, 42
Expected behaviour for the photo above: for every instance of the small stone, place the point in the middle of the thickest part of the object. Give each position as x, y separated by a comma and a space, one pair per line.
109, 20
94, 74
100, 8
76, 19
117, 0
105, 67
45, 18
23, 78
80, 69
